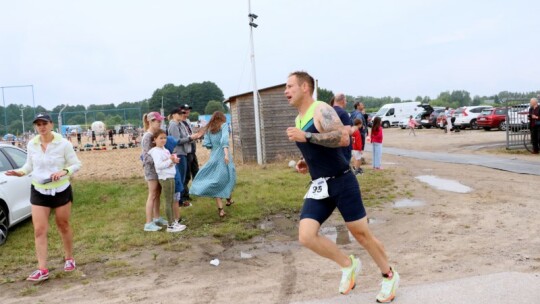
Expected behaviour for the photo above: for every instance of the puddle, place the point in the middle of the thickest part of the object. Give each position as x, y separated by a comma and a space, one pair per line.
372, 220
406, 203
444, 184
339, 234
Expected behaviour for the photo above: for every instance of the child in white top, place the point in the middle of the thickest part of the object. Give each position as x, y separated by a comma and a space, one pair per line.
164, 164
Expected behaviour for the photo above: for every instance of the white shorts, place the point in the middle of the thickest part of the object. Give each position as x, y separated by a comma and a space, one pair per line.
356, 154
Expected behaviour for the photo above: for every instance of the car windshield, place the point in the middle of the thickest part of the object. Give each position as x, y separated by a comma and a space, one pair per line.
459, 111
381, 112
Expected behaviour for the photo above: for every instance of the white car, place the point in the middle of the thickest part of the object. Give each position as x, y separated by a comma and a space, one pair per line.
518, 116
466, 116
14, 191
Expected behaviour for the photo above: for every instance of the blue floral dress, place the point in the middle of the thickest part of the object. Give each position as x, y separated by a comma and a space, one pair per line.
215, 178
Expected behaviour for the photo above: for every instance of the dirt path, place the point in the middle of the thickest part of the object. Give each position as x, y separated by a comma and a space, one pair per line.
492, 229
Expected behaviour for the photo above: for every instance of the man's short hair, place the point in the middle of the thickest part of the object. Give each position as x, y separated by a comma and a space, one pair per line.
304, 77
534, 99
340, 97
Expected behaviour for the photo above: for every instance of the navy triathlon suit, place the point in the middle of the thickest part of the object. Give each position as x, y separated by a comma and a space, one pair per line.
343, 188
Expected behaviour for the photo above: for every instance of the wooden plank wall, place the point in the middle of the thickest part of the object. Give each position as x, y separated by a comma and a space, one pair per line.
277, 115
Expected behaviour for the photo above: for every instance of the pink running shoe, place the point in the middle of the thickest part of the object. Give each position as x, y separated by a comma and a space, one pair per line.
39, 275
69, 265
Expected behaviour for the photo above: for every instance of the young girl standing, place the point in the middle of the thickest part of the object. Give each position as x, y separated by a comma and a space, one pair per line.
152, 122
164, 163
376, 138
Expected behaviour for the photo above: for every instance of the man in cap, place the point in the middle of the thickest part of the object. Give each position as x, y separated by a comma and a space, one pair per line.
192, 162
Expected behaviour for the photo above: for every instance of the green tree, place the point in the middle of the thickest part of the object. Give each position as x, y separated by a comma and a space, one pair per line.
476, 100
213, 106
111, 121
76, 120
194, 116
100, 116
324, 95
418, 98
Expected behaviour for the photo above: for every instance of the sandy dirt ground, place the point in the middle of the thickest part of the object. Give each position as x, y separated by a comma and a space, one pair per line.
494, 228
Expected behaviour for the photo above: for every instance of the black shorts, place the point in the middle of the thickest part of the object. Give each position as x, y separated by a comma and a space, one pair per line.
344, 194
58, 200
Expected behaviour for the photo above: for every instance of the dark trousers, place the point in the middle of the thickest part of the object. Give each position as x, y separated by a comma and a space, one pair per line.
191, 171
535, 138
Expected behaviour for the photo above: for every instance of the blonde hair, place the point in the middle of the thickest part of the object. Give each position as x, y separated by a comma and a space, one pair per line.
145, 121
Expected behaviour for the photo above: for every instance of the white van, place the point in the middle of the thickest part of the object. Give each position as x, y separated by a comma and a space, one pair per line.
392, 113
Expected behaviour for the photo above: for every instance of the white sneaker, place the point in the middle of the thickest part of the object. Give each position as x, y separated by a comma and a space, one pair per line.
388, 288
176, 228
348, 276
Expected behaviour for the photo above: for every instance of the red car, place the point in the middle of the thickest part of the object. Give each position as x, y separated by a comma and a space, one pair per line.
492, 118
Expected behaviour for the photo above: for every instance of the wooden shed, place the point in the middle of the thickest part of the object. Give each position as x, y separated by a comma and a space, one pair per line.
276, 115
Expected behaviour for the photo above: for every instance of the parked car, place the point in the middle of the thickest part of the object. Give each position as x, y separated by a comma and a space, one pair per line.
492, 118
404, 123
466, 117
441, 119
431, 120
14, 191
518, 116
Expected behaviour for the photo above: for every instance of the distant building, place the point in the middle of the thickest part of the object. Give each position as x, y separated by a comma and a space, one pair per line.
276, 115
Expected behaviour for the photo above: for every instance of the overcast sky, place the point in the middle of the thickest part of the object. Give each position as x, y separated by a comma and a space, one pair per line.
95, 52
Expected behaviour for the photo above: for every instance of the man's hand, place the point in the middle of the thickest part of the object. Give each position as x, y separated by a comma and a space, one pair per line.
302, 167
296, 135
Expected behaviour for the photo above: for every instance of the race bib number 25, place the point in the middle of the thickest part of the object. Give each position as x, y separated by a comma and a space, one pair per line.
318, 189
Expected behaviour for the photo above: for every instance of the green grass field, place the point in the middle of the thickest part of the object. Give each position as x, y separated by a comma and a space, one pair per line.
108, 217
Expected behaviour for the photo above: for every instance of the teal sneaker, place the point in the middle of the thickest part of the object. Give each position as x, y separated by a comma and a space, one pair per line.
151, 227
348, 276
161, 221
388, 288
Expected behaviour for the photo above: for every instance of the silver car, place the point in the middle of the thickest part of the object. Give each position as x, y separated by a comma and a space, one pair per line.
14, 191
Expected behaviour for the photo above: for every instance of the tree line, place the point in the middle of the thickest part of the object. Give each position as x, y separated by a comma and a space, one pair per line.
453, 99
205, 98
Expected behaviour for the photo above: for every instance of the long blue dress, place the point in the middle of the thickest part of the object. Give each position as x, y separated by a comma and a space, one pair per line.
215, 178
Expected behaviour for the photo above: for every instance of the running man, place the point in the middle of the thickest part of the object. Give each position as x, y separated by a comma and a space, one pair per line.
319, 134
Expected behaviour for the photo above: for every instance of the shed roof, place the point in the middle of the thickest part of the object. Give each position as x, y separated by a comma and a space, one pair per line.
232, 98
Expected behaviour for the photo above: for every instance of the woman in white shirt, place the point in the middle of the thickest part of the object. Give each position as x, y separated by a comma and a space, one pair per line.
51, 160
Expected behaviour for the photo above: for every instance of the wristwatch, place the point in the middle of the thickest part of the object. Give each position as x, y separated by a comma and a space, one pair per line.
308, 136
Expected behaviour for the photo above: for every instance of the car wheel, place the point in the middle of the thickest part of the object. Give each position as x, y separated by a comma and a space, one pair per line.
474, 126
386, 124
4, 224
487, 129
502, 126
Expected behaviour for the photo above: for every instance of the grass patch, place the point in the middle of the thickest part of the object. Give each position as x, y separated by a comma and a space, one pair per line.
108, 217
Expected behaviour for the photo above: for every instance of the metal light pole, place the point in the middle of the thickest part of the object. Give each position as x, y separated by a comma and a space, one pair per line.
252, 25
60, 119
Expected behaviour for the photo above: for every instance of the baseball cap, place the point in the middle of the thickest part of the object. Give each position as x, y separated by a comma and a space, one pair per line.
186, 107
42, 116
178, 111
155, 116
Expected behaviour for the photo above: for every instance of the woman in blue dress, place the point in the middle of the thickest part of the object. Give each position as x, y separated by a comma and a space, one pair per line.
218, 176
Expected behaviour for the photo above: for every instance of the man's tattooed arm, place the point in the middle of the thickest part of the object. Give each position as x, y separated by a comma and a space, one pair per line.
332, 133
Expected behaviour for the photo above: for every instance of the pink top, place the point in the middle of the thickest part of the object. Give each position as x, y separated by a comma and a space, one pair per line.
412, 123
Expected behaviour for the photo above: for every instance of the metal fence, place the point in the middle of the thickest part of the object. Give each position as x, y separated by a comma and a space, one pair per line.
517, 126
